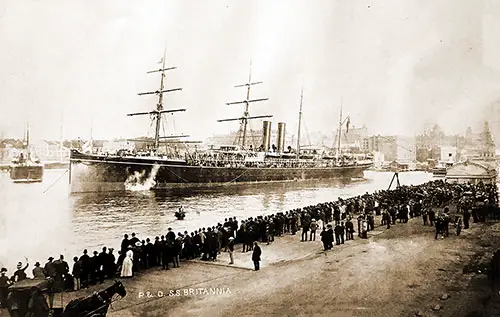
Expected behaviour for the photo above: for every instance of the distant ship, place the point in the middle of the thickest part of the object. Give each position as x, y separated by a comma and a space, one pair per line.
216, 166
26, 168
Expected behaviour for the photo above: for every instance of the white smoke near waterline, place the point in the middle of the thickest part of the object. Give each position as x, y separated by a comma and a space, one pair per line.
139, 182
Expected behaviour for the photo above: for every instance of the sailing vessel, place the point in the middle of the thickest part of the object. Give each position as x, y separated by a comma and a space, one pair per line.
216, 166
26, 168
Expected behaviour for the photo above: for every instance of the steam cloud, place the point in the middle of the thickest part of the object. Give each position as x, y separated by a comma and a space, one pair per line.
138, 181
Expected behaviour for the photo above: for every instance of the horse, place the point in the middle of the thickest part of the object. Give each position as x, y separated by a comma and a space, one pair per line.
95, 305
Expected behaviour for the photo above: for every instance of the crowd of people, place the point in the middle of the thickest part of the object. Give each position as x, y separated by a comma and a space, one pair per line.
337, 220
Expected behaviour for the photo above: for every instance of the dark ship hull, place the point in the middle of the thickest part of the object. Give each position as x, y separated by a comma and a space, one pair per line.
22, 173
91, 173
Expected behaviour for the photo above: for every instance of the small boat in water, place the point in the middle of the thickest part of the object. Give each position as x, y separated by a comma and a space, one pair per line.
26, 168
180, 215
441, 169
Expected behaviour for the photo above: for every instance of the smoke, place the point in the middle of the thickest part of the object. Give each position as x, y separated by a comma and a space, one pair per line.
139, 182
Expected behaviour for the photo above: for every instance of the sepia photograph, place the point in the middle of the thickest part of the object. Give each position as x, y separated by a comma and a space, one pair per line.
333, 158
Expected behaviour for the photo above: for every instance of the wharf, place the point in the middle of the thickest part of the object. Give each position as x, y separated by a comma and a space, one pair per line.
395, 272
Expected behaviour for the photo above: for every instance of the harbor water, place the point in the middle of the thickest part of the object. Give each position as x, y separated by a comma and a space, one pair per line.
42, 219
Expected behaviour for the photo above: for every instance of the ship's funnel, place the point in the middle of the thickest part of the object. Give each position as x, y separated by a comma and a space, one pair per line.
281, 137
266, 135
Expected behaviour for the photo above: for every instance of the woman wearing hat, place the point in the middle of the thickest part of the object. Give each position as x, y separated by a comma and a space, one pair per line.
127, 264
230, 248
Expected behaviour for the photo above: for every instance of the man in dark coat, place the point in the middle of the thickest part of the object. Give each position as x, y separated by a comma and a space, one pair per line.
77, 272
329, 236
257, 252
62, 271
85, 272
103, 256
111, 263
338, 233
134, 240
125, 244
324, 239
466, 218
95, 268
50, 269
349, 227
5, 282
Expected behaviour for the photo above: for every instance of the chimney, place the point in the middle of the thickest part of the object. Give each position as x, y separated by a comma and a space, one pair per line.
281, 137
266, 135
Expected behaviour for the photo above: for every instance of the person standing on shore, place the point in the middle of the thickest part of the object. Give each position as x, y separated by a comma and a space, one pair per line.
256, 256
466, 218
20, 274
349, 227
127, 264
85, 269
38, 272
424, 217
77, 271
432, 216
313, 226
230, 248
4, 285
338, 230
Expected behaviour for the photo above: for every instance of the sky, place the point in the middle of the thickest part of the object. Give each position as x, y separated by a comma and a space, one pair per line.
77, 66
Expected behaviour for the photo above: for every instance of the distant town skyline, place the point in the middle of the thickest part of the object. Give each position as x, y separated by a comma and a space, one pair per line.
393, 65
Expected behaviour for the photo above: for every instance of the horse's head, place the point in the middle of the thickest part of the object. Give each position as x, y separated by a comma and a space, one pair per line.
119, 288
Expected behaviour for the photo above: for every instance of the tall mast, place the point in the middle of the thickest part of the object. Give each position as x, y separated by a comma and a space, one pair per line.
28, 138
300, 121
157, 113
340, 130
159, 106
244, 119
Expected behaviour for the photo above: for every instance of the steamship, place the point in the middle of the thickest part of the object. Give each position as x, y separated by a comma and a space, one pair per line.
215, 166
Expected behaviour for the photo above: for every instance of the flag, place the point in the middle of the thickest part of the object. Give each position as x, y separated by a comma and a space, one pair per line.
161, 61
347, 124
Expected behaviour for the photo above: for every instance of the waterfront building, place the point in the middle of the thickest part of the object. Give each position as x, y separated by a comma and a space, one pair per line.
472, 172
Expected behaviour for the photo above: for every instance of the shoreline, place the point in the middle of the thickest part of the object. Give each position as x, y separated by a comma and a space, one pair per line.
284, 253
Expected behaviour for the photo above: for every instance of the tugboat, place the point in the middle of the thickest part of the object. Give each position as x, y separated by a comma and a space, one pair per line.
180, 215
26, 168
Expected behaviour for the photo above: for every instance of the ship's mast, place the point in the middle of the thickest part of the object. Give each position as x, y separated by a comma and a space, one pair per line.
28, 140
340, 132
300, 121
244, 119
159, 106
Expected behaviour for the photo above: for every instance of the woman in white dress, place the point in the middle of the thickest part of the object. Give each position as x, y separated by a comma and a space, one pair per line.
127, 264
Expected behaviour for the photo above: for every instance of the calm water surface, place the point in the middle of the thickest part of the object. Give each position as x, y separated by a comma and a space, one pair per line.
42, 220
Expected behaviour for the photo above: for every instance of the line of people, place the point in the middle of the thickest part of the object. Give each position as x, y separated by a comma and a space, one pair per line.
335, 219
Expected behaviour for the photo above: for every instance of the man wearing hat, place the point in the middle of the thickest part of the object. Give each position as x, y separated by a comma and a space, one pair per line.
257, 252
20, 273
38, 272
50, 269
230, 248
4, 284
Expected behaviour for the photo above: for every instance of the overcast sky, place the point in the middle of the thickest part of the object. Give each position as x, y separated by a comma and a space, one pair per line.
395, 64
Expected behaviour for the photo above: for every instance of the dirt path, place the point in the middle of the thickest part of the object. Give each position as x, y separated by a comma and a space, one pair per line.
395, 273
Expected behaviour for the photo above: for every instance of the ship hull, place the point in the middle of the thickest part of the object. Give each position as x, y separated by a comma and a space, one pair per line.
93, 173
26, 173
